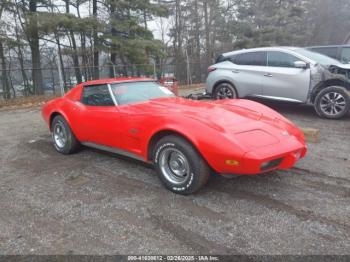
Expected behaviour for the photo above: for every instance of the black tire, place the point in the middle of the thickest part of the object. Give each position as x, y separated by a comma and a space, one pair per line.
195, 173
68, 145
332, 102
224, 91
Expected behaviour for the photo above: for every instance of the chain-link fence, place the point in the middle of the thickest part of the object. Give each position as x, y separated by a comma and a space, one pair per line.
18, 82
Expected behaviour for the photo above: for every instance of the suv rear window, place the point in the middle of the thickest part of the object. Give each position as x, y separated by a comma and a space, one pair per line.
251, 58
222, 58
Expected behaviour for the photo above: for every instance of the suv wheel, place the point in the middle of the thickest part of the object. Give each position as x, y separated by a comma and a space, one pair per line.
224, 91
332, 102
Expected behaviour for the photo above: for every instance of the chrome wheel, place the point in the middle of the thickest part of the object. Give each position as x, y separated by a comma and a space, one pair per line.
332, 103
174, 165
59, 135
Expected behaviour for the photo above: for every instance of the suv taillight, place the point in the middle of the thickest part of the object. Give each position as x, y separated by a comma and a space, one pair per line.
211, 69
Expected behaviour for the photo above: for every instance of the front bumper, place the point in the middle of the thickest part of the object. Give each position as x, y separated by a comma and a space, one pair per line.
283, 155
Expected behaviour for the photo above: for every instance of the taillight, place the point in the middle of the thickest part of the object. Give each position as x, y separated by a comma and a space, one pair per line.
211, 69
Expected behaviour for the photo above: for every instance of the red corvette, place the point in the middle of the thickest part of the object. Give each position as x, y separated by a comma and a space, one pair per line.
184, 139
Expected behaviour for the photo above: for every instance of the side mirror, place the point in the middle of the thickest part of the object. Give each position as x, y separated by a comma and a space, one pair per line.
301, 64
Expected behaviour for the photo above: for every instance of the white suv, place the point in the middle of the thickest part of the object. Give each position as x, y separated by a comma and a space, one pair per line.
283, 73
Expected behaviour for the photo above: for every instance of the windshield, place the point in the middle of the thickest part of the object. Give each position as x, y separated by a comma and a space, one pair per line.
135, 92
319, 58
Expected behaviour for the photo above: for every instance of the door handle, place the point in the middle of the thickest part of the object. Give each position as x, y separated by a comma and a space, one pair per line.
235, 71
268, 75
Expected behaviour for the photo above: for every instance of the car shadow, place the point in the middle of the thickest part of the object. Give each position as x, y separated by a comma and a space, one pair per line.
243, 184
216, 183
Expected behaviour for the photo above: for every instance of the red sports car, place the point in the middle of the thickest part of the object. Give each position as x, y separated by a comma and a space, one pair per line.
185, 139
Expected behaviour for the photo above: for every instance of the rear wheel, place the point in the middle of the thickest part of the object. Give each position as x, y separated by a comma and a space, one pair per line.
224, 91
63, 138
180, 167
332, 102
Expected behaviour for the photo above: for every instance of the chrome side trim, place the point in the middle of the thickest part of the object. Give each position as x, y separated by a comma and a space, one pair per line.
279, 98
112, 95
114, 150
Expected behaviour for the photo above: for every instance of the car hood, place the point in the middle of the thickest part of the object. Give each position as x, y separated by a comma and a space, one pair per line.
233, 116
330, 67
340, 65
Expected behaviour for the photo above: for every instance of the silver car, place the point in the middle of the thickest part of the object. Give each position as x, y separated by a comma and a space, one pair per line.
283, 73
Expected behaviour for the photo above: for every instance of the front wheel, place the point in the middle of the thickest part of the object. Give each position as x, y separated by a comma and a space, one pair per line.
332, 102
180, 167
63, 138
224, 91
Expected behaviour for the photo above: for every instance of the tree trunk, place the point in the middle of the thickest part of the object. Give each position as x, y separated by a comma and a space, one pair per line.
23, 72
61, 61
96, 42
10, 78
5, 82
91, 57
212, 10
113, 54
207, 33
84, 56
125, 68
74, 46
34, 47
21, 63
180, 69
159, 64
52, 78
145, 19
75, 58
198, 45
113, 62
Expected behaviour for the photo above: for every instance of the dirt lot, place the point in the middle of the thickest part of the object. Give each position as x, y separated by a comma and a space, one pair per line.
98, 203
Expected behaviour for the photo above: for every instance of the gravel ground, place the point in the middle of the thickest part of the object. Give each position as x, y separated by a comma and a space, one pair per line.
99, 203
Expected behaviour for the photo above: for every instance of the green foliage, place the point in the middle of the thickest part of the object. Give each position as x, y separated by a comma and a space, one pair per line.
270, 22
49, 23
127, 34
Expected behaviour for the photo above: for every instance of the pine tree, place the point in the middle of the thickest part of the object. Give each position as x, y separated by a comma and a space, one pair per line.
127, 36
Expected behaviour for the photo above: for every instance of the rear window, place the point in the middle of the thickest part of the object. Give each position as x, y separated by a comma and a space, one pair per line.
220, 59
223, 58
251, 58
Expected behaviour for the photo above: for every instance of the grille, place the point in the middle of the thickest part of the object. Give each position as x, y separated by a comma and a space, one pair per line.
271, 164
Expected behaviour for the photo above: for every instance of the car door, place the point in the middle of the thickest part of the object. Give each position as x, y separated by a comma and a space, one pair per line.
283, 80
247, 72
133, 99
98, 117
